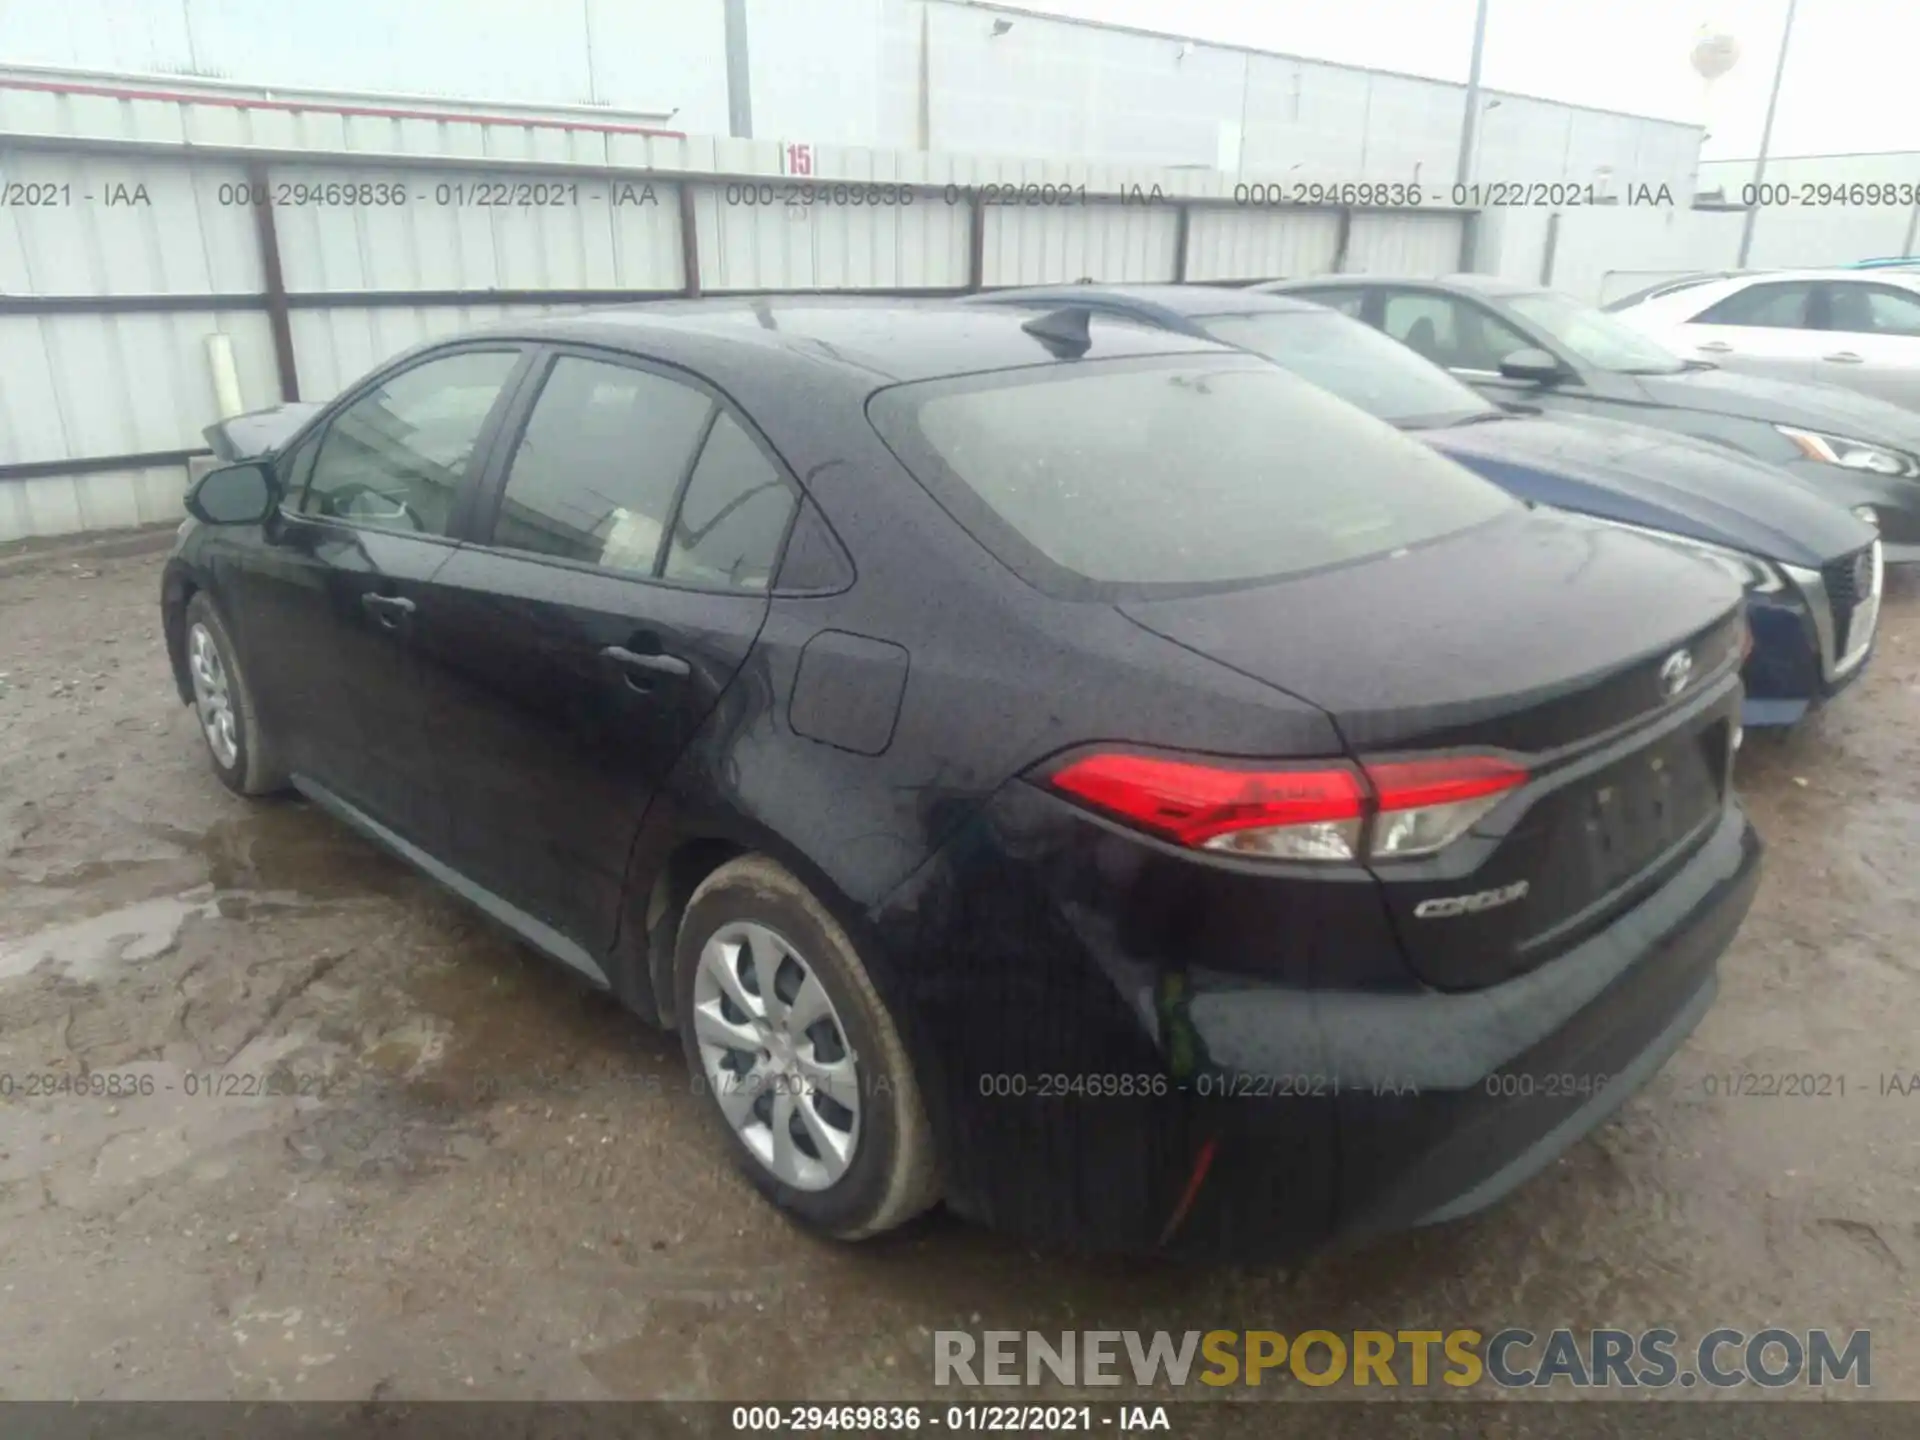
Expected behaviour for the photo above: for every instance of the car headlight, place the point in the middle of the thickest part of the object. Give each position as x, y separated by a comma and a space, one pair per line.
1762, 577
1851, 454
1867, 513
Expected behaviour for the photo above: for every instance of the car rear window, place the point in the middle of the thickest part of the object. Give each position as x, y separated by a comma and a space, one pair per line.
1194, 472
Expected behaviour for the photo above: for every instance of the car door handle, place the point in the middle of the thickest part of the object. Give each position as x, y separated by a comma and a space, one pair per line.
389, 610
1843, 357
1716, 347
671, 665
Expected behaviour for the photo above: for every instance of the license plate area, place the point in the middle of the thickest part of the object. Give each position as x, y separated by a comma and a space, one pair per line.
1637, 810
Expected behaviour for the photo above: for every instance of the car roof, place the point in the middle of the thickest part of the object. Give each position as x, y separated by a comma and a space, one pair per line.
1188, 300
1874, 275
1464, 283
867, 341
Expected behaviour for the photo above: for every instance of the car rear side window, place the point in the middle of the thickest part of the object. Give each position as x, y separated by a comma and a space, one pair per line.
1131, 475
594, 476
734, 515
394, 458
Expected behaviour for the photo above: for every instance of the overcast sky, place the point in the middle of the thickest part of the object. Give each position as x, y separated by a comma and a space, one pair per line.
1850, 81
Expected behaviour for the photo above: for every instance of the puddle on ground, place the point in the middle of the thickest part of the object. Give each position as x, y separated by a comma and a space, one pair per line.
87, 949
144, 1119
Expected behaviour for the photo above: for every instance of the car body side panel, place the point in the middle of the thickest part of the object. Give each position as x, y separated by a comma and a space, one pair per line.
1886, 367
547, 750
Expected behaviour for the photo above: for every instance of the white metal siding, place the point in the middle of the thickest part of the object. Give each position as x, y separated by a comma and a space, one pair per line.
126, 226
781, 245
85, 385
1260, 244
1033, 245
1404, 242
1603, 253
588, 232
334, 347
108, 500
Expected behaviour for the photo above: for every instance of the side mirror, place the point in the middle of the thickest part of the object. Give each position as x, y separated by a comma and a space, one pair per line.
242, 494
1535, 366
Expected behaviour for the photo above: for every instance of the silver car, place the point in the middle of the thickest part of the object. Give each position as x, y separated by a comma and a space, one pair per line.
1855, 328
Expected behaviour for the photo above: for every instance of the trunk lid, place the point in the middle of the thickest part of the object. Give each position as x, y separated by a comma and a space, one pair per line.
1543, 637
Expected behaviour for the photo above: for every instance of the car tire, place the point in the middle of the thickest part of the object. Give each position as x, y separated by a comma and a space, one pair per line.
242, 755
889, 1172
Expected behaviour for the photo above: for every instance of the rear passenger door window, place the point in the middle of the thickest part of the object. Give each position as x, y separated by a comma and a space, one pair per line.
394, 458
599, 465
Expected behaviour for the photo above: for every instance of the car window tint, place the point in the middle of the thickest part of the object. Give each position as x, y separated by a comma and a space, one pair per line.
594, 475
395, 457
1781, 305
734, 516
1873, 310
1450, 332
1091, 473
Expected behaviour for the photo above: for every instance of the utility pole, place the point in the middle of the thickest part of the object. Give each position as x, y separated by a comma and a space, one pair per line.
1766, 137
1463, 167
739, 75
1472, 119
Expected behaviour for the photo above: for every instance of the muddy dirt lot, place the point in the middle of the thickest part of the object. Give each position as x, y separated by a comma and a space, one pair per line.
498, 1185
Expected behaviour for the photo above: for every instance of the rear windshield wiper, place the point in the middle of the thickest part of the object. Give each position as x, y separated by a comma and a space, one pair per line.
1483, 416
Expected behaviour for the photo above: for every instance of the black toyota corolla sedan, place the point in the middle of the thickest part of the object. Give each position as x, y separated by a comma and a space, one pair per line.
1005, 799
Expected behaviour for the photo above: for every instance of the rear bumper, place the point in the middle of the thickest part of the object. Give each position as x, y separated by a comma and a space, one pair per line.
1320, 1095
1489, 1124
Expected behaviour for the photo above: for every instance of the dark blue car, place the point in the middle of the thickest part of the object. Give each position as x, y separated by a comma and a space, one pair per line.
1811, 570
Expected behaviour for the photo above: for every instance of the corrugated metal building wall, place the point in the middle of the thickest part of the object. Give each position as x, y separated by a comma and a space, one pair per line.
931, 75
316, 239
1815, 211
1812, 214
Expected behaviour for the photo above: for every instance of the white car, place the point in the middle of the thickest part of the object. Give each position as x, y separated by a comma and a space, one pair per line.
1856, 328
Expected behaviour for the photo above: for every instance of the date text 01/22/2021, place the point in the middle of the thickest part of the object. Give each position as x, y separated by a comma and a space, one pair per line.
1000, 1419
1223, 1085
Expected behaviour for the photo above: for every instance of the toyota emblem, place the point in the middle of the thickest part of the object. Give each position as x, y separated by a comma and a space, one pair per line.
1675, 671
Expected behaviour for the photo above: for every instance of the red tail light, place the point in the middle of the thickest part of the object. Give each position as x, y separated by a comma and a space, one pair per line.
1410, 807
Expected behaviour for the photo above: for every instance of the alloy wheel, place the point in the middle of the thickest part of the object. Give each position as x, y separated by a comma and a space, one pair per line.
212, 698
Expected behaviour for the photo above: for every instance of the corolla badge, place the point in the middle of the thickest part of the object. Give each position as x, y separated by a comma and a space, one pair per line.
1470, 904
1675, 671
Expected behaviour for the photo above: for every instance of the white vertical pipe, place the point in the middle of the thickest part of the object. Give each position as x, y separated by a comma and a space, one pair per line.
226, 376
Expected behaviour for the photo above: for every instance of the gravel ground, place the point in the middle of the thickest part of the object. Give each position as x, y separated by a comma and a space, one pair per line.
498, 1185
